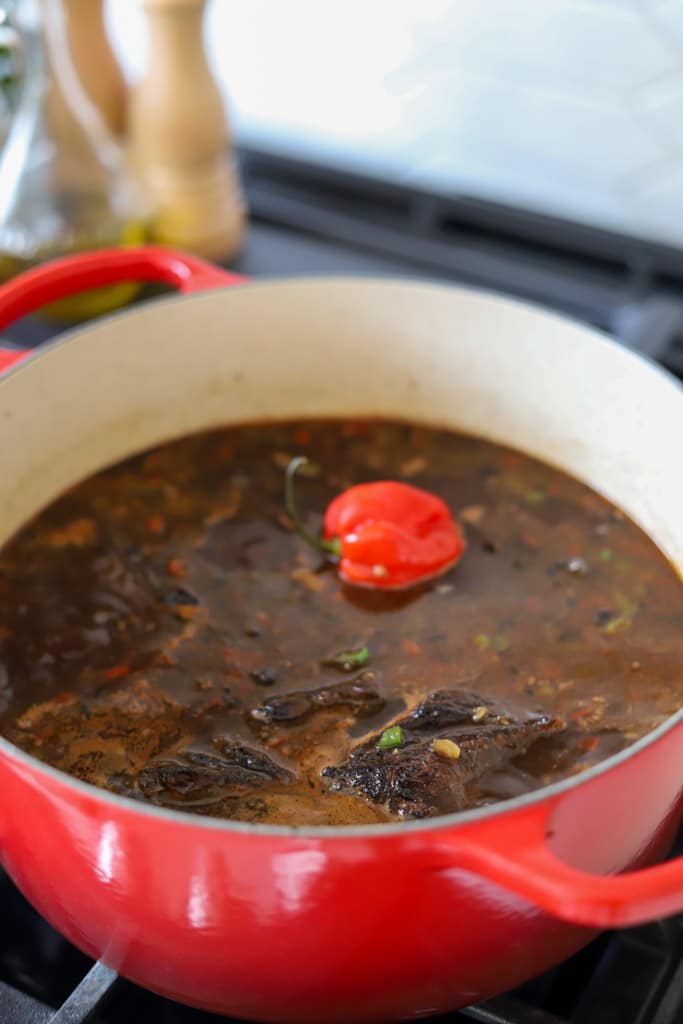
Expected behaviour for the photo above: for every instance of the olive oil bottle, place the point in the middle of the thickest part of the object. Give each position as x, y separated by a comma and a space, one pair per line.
65, 186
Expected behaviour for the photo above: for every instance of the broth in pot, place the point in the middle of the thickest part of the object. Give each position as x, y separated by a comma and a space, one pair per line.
166, 634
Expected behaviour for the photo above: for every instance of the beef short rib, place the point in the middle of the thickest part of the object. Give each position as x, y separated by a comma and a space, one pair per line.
416, 781
206, 778
358, 695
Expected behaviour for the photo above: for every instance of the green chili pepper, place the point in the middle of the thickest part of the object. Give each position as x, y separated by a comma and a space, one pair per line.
347, 661
391, 738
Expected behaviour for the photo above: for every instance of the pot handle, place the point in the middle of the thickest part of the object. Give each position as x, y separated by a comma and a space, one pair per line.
531, 869
70, 275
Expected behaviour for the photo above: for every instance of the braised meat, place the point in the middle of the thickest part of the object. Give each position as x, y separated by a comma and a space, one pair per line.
450, 740
356, 695
199, 779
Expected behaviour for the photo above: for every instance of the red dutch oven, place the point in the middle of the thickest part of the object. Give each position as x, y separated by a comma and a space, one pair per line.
358, 924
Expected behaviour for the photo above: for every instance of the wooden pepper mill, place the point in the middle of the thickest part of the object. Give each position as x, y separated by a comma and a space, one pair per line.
180, 140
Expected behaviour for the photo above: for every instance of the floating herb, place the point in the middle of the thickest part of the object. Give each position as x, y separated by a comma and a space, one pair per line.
347, 661
391, 738
536, 496
605, 555
500, 642
628, 609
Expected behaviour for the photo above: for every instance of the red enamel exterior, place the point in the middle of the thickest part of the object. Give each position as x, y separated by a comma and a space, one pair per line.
370, 924
61, 278
373, 927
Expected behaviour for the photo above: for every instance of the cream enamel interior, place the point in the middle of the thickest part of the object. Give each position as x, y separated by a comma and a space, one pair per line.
442, 355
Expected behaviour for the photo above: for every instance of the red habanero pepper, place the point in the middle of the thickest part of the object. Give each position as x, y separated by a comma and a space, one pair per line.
385, 535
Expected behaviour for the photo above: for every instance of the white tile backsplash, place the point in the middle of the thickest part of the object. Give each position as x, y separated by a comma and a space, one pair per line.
659, 109
570, 42
668, 16
536, 133
571, 107
659, 203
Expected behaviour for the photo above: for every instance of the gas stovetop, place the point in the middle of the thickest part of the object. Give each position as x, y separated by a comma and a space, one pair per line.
313, 220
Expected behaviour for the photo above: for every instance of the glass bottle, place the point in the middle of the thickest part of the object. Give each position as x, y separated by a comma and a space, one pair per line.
98, 69
10, 63
64, 184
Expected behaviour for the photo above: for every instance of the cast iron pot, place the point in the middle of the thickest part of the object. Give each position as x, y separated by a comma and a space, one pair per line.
359, 924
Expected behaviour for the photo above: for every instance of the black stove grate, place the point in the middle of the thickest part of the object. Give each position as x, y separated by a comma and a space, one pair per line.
633, 976
628, 287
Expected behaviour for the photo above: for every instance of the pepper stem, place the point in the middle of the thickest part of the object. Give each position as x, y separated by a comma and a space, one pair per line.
328, 547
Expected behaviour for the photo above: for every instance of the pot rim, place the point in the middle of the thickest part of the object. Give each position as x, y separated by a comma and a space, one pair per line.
382, 830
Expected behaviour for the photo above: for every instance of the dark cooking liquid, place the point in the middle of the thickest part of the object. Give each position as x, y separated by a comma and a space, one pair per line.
159, 622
